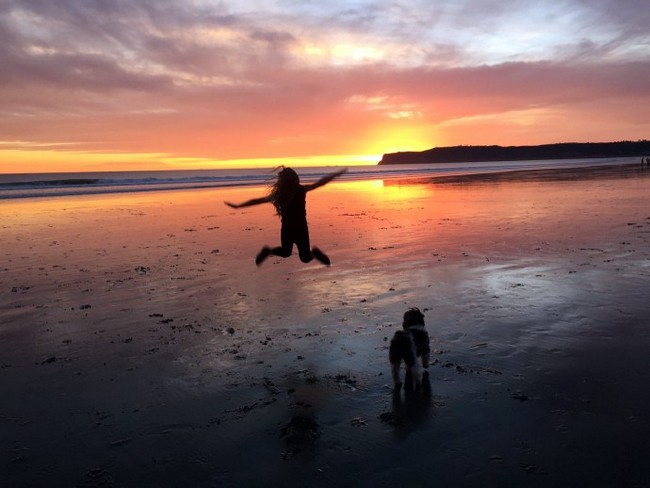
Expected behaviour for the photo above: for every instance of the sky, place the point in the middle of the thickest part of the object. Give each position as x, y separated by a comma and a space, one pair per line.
94, 85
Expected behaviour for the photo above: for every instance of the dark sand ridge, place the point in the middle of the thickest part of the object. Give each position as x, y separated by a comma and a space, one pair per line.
141, 346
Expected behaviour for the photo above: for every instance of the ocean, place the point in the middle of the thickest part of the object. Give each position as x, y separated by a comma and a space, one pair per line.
49, 185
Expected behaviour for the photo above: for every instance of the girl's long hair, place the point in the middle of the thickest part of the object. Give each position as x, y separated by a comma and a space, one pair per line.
284, 188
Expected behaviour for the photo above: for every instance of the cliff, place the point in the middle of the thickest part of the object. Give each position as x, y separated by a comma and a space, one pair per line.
569, 150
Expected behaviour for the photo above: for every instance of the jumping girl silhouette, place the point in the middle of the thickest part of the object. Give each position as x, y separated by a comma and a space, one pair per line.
288, 197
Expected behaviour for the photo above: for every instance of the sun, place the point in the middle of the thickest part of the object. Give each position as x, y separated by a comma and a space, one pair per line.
393, 138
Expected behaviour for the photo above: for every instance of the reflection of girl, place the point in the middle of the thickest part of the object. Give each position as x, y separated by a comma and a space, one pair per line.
288, 197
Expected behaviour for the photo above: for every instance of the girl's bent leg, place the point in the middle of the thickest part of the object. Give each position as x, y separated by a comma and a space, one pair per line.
321, 256
262, 255
302, 242
266, 251
283, 252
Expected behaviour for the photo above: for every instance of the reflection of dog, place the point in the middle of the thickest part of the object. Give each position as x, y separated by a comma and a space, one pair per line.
409, 345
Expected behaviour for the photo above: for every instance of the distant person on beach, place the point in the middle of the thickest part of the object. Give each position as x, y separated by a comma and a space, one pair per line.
288, 197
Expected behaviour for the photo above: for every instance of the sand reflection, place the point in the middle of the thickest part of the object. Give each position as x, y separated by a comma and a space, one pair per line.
126, 315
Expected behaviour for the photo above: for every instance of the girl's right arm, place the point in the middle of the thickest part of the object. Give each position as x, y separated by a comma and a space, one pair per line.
249, 203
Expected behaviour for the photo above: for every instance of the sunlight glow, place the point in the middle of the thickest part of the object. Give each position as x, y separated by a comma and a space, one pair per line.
46, 161
50, 161
391, 108
401, 135
301, 161
387, 189
525, 117
339, 53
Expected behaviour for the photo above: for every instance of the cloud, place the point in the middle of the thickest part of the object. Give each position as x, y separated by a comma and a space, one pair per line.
197, 78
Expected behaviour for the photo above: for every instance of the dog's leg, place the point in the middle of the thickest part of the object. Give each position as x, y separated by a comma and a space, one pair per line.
417, 374
396, 354
394, 369
425, 365
425, 360
411, 361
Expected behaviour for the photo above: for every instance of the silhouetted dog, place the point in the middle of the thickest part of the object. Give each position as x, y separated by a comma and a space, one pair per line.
409, 345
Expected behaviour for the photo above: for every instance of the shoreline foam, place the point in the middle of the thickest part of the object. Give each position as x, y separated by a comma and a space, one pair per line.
51, 185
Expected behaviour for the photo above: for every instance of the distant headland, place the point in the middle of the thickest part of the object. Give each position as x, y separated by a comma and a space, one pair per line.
565, 150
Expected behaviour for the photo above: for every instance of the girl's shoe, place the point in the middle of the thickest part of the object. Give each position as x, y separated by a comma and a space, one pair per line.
321, 256
262, 255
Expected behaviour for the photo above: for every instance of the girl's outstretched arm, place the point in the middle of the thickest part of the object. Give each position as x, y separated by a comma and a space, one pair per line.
249, 203
325, 179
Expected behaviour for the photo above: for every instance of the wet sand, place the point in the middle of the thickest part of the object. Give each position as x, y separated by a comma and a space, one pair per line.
140, 345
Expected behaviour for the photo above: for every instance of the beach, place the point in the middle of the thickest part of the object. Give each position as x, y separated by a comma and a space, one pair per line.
141, 346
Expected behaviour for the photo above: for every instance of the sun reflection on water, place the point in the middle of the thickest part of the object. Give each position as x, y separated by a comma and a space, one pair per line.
388, 190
